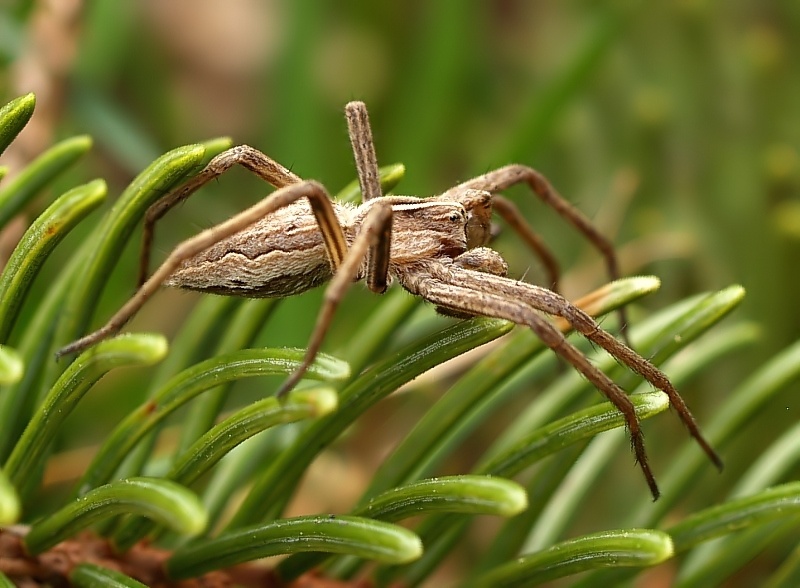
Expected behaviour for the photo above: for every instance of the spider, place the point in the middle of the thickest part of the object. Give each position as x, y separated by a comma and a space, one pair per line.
297, 238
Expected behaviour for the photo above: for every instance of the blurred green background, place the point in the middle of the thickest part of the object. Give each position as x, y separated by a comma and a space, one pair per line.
674, 124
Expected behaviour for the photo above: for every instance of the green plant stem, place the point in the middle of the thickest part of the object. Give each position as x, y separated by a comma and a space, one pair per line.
18, 401
39, 240
87, 575
731, 552
371, 339
272, 490
708, 561
13, 118
236, 471
39, 173
79, 377
194, 336
745, 401
357, 536
566, 431
619, 548
163, 500
542, 487
218, 441
189, 384
468, 494
772, 504
9, 501
247, 321
554, 437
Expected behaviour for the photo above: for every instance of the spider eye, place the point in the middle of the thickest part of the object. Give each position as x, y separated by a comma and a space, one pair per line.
455, 217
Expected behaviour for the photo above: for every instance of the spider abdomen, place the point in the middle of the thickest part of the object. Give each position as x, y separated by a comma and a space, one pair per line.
281, 255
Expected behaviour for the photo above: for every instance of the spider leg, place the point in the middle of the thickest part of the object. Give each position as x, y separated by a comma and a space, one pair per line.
369, 179
321, 206
363, 150
371, 243
555, 304
510, 175
252, 159
438, 284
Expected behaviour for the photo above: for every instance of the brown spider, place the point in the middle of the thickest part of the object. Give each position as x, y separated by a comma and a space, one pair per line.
298, 238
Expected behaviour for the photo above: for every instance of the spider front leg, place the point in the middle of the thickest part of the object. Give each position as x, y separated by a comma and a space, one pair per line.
321, 206
511, 175
251, 159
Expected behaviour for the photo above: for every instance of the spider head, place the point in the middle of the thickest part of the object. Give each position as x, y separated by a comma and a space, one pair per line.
478, 204
424, 228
